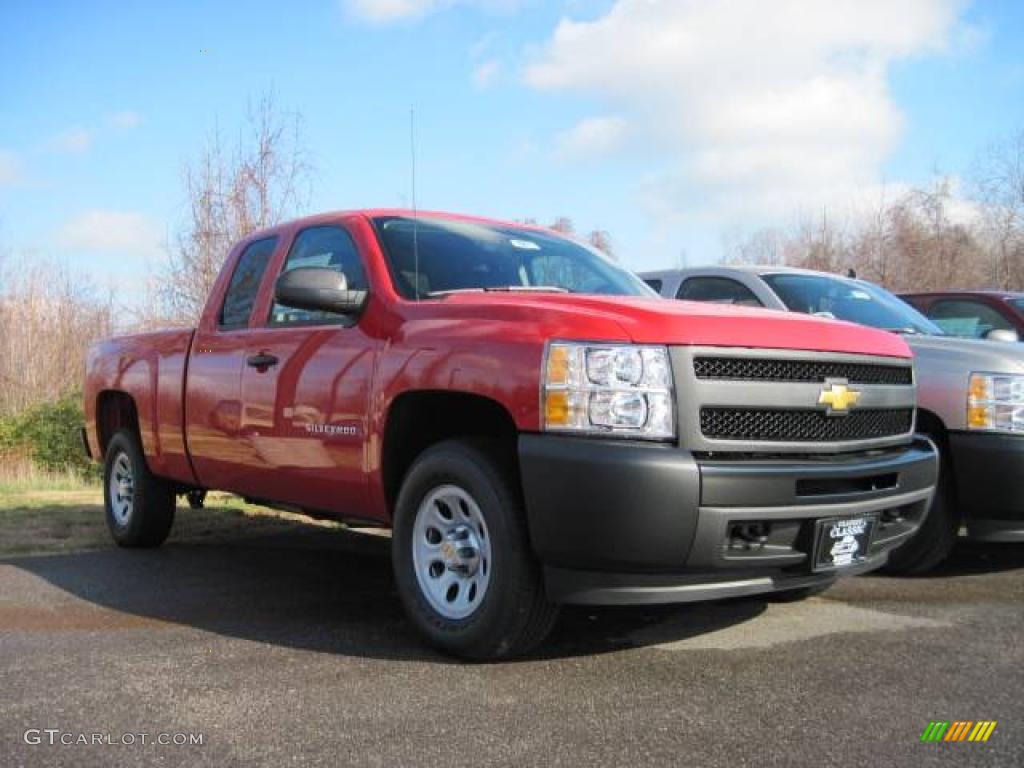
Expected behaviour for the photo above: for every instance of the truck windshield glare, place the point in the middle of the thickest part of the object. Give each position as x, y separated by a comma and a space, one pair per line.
855, 302
431, 257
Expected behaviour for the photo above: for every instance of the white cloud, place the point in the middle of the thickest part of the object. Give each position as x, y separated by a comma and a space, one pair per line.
485, 72
391, 11
10, 169
110, 232
126, 119
76, 141
757, 107
590, 137
386, 11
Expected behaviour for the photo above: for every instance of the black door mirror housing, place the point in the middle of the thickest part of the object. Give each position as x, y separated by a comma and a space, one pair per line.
318, 289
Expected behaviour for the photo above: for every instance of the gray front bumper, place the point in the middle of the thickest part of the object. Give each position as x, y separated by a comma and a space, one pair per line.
618, 522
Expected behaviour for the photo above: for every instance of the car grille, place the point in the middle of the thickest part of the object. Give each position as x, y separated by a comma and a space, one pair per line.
803, 425
756, 369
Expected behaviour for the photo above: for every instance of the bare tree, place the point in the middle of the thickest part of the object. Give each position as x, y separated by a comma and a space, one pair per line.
48, 316
998, 181
818, 244
765, 246
261, 179
918, 241
600, 239
563, 224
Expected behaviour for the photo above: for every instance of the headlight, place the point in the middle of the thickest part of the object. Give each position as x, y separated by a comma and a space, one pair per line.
996, 401
609, 389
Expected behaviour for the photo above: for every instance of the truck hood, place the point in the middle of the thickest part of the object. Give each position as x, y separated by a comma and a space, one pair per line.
667, 321
951, 353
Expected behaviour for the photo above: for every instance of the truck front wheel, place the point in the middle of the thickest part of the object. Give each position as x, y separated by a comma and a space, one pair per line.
935, 540
139, 505
461, 555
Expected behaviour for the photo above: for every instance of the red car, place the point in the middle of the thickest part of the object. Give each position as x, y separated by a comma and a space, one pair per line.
992, 315
533, 423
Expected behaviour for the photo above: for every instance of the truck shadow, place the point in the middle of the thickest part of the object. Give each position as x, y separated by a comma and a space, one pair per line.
329, 591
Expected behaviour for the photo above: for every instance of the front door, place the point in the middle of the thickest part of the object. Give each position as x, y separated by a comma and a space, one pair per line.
305, 392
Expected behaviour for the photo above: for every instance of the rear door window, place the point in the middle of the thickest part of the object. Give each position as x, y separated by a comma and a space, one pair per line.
720, 290
964, 317
245, 283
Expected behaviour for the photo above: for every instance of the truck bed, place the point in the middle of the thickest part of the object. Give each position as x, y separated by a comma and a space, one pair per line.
150, 368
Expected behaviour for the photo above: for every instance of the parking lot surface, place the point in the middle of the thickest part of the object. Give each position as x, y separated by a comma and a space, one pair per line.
291, 648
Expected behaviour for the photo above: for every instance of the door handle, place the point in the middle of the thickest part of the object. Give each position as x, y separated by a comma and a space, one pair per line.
262, 360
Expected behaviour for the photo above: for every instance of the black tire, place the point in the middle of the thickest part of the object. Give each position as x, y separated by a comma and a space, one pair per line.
513, 615
935, 540
148, 519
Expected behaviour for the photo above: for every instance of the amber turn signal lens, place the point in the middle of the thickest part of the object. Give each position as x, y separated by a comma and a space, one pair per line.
556, 409
558, 366
980, 388
979, 417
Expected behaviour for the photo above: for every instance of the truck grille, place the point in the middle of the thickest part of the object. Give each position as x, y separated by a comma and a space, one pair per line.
803, 425
761, 369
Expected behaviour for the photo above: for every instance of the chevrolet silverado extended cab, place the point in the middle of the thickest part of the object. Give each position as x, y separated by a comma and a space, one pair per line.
970, 396
535, 425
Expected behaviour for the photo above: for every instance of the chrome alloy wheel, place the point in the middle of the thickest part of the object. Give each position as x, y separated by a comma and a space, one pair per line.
122, 489
451, 552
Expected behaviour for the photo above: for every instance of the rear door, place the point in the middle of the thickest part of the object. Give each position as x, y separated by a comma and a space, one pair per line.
213, 405
305, 391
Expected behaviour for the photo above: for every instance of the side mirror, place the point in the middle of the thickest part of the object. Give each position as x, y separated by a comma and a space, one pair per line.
1002, 334
318, 289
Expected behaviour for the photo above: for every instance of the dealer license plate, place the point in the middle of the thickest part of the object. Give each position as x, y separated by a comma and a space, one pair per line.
842, 542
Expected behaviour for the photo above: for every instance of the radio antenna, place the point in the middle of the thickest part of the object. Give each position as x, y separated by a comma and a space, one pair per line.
415, 216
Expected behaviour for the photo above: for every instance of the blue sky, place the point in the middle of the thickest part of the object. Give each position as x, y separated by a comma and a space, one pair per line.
670, 124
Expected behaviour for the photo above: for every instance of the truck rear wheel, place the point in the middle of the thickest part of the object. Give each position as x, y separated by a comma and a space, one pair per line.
461, 555
139, 505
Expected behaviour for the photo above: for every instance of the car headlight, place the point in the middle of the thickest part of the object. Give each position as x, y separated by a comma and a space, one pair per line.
621, 390
995, 401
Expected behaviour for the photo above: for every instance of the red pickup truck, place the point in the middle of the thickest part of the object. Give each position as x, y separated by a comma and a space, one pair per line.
535, 425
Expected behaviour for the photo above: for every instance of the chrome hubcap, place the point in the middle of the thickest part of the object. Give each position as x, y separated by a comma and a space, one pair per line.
122, 489
451, 552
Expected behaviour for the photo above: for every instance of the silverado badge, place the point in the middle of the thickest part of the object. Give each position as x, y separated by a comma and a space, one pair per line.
838, 396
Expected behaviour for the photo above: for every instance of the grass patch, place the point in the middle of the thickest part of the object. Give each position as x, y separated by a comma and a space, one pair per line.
54, 519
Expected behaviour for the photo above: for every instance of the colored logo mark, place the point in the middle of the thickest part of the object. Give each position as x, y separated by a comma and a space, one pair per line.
838, 397
958, 730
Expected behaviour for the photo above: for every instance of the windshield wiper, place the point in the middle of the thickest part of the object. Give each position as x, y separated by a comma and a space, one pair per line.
500, 288
529, 288
910, 331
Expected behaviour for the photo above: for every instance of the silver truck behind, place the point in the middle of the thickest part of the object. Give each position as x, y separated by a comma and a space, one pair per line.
970, 395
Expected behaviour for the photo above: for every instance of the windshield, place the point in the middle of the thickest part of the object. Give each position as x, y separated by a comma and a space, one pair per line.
1018, 303
430, 256
852, 300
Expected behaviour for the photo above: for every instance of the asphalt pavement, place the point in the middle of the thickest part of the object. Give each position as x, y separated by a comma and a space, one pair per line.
292, 649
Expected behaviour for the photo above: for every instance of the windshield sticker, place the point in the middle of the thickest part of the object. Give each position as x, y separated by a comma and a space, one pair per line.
861, 295
524, 245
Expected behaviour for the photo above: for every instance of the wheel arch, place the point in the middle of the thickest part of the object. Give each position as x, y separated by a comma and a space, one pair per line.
418, 419
932, 425
115, 410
